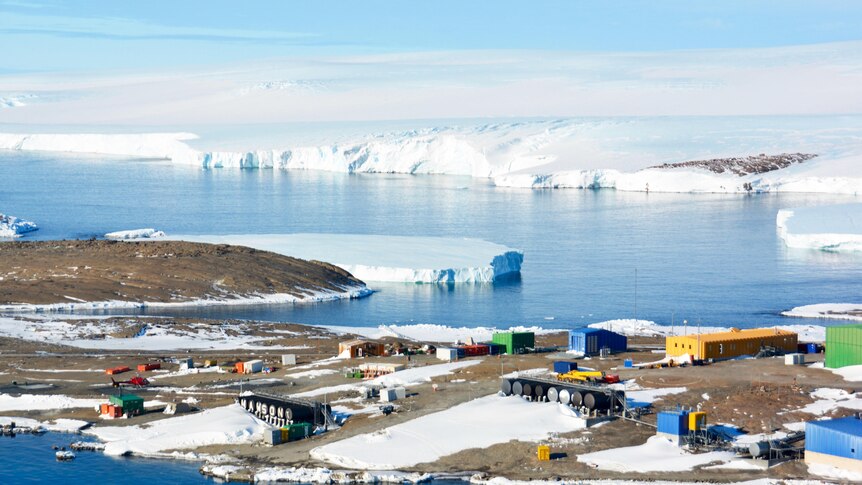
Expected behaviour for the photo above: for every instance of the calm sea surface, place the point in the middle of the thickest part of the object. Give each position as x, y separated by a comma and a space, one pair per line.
713, 258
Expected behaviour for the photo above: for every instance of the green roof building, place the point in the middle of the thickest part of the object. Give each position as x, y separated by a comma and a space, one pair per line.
843, 346
515, 342
130, 403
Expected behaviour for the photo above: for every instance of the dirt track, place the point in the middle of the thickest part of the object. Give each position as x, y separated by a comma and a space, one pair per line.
46, 272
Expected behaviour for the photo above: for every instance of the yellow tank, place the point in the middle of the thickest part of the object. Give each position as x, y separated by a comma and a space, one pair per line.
544, 453
696, 421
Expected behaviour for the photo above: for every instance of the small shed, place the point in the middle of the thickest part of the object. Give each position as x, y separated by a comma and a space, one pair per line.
252, 366
673, 424
360, 348
130, 403
515, 342
835, 442
447, 354
590, 341
288, 359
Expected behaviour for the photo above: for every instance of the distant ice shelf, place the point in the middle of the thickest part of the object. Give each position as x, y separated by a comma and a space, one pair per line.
627, 154
11, 226
403, 259
827, 228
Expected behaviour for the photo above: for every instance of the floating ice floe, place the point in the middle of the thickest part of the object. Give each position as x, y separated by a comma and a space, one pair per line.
474, 424
11, 226
388, 258
827, 228
147, 233
838, 311
426, 332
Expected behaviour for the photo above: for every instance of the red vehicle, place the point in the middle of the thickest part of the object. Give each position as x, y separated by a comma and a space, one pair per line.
136, 381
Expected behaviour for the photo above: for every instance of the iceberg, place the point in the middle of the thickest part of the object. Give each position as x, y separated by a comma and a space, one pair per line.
827, 228
11, 226
403, 259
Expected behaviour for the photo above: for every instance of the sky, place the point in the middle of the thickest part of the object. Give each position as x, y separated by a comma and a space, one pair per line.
45, 35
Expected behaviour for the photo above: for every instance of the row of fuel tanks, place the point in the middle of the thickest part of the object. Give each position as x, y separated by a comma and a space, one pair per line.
590, 397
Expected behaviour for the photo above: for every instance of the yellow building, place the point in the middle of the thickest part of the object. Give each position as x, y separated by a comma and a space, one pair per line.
727, 345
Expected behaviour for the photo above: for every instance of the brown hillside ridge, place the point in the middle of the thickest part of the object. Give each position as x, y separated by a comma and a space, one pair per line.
742, 166
45, 272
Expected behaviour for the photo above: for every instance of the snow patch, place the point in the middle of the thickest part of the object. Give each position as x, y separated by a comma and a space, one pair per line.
148, 233
658, 454
228, 425
46, 402
474, 424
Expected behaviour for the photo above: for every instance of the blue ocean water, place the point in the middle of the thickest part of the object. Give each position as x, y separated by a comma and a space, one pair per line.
29, 458
590, 255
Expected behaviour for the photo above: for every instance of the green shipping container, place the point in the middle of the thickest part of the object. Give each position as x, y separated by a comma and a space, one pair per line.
130, 403
515, 342
843, 346
297, 431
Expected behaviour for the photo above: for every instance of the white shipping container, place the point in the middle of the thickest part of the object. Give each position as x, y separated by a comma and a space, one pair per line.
400, 392
447, 354
388, 395
288, 359
252, 366
794, 359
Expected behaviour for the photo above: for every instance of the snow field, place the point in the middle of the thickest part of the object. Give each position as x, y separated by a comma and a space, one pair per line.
656, 455
838, 311
44, 402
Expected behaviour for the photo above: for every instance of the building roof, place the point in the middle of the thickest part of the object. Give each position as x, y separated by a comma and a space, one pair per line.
736, 334
592, 330
353, 342
850, 425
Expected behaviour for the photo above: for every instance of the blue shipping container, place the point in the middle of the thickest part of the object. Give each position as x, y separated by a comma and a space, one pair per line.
590, 341
562, 366
673, 422
837, 437
628, 363
812, 349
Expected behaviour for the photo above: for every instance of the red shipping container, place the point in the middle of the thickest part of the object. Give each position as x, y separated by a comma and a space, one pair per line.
117, 411
146, 367
476, 350
117, 370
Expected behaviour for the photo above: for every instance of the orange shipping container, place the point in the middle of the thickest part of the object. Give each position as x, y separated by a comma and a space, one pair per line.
105, 408
146, 367
117, 370
239, 367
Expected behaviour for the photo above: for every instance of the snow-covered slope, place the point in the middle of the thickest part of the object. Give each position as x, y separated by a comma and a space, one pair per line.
388, 258
11, 226
563, 153
829, 228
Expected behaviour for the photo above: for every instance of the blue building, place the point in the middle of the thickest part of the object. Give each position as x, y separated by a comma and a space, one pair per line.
590, 341
835, 442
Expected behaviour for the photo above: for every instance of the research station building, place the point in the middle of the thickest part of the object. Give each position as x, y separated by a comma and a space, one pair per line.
835, 442
727, 345
591, 341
